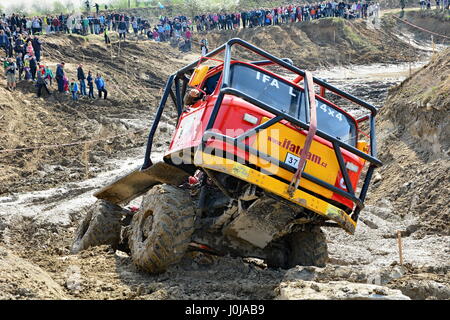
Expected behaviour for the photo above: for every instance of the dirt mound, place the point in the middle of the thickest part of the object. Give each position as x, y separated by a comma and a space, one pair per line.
23, 280
414, 146
134, 76
324, 42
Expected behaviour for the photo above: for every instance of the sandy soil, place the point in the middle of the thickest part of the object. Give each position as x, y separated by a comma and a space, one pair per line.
44, 192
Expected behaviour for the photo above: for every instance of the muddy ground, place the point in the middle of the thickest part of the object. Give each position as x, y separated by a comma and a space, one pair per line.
44, 192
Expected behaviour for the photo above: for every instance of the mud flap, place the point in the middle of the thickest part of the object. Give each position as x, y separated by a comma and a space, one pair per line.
139, 181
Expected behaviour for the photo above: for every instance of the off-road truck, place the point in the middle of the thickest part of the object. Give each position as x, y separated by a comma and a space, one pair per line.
259, 161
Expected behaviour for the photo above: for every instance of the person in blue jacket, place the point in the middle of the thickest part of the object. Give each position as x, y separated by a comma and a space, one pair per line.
100, 83
74, 90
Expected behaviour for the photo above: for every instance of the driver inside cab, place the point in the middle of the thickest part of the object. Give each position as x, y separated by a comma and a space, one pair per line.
208, 88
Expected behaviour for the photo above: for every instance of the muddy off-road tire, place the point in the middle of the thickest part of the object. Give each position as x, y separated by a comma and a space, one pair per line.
307, 248
162, 228
101, 225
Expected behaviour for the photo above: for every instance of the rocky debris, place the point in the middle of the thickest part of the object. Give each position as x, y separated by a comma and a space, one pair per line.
336, 290
423, 287
356, 274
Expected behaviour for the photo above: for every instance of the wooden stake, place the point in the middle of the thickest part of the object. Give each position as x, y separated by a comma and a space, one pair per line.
400, 250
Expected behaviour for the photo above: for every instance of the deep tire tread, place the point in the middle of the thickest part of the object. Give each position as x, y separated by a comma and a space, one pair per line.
171, 230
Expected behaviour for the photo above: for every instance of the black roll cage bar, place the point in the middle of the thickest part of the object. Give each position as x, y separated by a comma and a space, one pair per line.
180, 91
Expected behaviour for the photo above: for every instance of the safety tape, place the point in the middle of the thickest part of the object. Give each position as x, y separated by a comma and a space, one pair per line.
56, 146
407, 22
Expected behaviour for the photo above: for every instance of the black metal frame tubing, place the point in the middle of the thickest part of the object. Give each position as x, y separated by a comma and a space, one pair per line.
279, 116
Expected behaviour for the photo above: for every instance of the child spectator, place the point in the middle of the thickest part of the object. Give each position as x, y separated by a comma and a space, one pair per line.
66, 85
74, 90
48, 75
30, 49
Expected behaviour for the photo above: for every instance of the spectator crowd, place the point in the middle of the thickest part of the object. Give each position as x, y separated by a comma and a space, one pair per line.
19, 35
178, 30
19, 39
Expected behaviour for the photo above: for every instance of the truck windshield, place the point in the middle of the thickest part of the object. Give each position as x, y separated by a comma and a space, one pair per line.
289, 99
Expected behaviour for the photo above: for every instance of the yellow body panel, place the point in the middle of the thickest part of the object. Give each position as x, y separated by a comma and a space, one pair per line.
279, 140
198, 76
277, 187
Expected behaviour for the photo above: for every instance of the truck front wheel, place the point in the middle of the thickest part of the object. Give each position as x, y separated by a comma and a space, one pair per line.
162, 228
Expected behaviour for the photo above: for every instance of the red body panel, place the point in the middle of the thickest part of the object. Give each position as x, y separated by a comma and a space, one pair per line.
230, 122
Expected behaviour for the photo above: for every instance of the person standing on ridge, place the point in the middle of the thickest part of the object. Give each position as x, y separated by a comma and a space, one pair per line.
90, 81
36, 44
41, 83
100, 83
81, 77
60, 76
74, 90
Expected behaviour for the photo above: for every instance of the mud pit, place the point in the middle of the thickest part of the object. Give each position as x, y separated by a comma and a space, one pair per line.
42, 202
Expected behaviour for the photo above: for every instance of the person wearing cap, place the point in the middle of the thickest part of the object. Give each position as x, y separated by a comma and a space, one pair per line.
81, 78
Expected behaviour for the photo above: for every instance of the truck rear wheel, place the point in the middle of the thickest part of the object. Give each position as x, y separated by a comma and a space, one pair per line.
307, 248
161, 231
101, 225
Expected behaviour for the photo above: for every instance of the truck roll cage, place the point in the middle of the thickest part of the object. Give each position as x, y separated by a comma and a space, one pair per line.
226, 89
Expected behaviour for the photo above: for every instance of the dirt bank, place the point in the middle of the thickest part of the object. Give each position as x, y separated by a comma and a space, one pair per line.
414, 146
133, 77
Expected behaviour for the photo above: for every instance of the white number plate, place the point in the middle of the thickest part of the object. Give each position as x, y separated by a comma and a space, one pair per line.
292, 160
